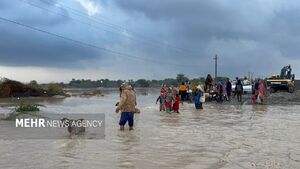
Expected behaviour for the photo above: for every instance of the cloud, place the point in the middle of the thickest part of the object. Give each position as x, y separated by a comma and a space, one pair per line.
235, 30
25, 47
246, 35
90, 6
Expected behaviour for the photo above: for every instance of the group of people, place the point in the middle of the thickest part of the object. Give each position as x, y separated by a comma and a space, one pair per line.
185, 91
220, 88
259, 91
169, 98
238, 90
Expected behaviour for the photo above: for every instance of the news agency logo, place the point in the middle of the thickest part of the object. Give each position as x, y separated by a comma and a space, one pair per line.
55, 126
41, 122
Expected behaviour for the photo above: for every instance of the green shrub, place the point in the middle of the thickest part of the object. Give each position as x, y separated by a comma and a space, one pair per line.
27, 107
24, 110
34, 85
55, 89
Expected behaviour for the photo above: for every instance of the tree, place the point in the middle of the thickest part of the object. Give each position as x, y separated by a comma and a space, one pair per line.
181, 78
142, 83
170, 81
131, 82
33, 84
55, 89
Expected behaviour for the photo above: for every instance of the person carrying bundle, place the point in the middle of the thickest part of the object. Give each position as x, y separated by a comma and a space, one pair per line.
199, 97
126, 106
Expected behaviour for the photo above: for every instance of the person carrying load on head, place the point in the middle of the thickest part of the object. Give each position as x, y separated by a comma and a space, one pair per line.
208, 83
126, 106
199, 97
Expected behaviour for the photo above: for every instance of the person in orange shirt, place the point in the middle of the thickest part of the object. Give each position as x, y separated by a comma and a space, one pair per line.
182, 91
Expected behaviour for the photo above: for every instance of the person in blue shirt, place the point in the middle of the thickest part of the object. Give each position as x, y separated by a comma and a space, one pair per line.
197, 97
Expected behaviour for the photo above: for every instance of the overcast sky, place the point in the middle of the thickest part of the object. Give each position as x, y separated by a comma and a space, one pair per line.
156, 39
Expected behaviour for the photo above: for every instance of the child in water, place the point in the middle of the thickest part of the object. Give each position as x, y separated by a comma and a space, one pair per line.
176, 104
169, 99
162, 100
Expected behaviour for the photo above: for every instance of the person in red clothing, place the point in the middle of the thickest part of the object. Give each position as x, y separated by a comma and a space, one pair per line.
176, 104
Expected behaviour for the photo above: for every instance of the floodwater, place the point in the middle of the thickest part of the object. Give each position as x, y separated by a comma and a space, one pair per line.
220, 136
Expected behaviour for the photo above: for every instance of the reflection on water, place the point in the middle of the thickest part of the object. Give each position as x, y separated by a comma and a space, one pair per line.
128, 146
69, 151
31, 100
220, 136
259, 108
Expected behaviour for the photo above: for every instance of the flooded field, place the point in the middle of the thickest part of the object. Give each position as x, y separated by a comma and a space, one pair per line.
220, 136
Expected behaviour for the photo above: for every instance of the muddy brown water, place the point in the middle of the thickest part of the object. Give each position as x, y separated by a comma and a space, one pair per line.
220, 136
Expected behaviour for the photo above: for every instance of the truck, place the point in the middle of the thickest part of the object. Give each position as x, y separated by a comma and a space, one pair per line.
284, 82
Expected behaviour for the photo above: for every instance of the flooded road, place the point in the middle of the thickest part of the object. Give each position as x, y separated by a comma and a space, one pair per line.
220, 136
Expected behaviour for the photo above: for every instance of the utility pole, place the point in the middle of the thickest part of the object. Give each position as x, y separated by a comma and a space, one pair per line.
216, 67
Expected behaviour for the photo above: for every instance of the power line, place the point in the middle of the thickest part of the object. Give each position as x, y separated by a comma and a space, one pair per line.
117, 27
67, 16
85, 23
87, 16
78, 42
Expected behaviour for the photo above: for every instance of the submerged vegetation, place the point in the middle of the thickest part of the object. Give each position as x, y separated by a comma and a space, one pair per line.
24, 110
93, 93
27, 107
55, 89
11, 88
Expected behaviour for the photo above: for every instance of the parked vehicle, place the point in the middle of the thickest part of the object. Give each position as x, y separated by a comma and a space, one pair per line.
284, 81
247, 86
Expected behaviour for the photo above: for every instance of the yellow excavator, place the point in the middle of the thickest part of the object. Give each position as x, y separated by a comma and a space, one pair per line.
284, 81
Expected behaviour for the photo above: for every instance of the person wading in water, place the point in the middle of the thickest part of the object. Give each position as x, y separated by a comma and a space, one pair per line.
126, 106
239, 90
208, 83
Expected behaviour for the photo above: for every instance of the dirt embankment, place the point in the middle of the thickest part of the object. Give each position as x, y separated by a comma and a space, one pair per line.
297, 84
286, 98
11, 88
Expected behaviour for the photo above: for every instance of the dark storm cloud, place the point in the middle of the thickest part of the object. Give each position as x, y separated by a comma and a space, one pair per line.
246, 35
21, 46
41, 13
201, 20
